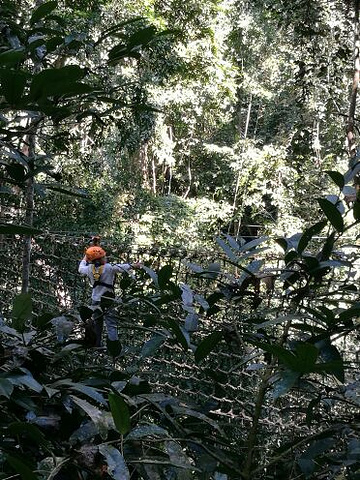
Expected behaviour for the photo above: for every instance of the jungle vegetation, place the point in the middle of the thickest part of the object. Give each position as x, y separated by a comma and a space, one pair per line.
218, 141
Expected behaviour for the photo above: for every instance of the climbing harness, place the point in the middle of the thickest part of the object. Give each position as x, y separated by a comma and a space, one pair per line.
97, 271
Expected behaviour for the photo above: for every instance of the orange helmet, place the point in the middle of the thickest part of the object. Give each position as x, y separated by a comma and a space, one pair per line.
93, 253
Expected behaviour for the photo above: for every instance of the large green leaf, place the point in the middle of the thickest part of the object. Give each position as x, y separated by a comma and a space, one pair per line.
12, 85
120, 412
22, 311
55, 81
113, 347
31, 431
309, 234
164, 276
96, 415
6, 387
179, 334
332, 214
26, 380
142, 37
337, 178
207, 345
116, 466
90, 392
287, 380
42, 11
307, 460
25, 472
12, 57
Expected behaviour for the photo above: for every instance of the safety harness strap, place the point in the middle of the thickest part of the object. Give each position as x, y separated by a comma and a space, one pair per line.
103, 284
97, 274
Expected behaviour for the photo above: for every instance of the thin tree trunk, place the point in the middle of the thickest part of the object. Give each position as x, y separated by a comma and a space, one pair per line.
350, 130
240, 169
29, 216
153, 170
190, 180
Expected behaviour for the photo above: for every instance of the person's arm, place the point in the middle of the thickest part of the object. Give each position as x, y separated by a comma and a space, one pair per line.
125, 267
83, 267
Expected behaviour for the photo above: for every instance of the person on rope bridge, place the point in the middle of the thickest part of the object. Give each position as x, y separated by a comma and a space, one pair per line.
102, 277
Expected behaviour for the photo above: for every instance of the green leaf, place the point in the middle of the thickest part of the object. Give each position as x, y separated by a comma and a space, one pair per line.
152, 345
207, 345
174, 327
308, 234
356, 210
152, 275
6, 387
114, 347
234, 258
22, 311
42, 11
116, 466
337, 178
287, 380
332, 214
11, 229
12, 57
307, 355
26, 380
328, 247
254, 243
96, 415
55, 81
21, 468
164, 276
32, 431
307, 460
143, 431
120, 412
329, 353
142, 37
85, 313
90, 392
13, 84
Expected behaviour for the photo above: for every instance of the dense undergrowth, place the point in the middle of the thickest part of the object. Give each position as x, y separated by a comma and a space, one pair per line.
289, 318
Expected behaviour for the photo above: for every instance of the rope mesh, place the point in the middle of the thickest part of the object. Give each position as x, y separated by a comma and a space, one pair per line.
222, 384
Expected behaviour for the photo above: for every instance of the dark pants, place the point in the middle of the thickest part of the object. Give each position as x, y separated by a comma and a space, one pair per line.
110, 319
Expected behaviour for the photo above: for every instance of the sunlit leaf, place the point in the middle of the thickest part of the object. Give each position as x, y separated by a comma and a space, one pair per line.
120, 412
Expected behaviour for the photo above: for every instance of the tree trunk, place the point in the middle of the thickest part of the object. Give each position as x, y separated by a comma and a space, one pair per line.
350, 130
29, 215
240, 169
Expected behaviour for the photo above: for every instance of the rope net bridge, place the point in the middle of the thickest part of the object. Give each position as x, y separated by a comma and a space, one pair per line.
223, 383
